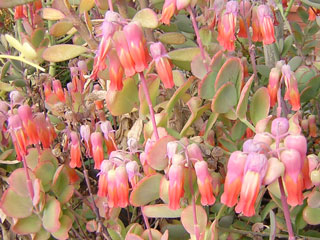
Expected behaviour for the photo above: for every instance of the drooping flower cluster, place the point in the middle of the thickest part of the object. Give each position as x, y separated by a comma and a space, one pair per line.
114, 178
262, 23
280, 73
27, 128
179, 175
170, 7
21, 11
263, 161
126, 50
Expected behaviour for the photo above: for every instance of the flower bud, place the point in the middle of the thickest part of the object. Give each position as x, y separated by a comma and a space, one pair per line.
279, 126
312, 126
194, 152
315, 177
274, 171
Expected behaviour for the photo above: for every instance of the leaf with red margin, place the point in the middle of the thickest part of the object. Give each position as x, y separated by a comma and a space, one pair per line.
188, 221
243, 101
51, 215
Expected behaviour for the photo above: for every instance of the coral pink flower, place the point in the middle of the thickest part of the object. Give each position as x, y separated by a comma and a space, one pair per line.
226, 26
162, 63
75, 152
108, 29
112, 189
273, 86
292, 92
85, 136
168, 9
108, 133
106, 165
181, 4
122, 187
204, 181
115, 71
232, 184
293, 176
137, 45
176, 183
254, 171
313, 13
43, 130
123, 52
57, 88
245, 11
266, 24
18, 12
194, 152
256, 33
18, 135
25, 114
97, 149
132, 169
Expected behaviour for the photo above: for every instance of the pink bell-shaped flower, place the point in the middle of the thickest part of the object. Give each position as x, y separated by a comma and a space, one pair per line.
204, 181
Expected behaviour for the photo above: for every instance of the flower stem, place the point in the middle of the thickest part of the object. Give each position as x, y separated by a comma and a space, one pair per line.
110, 5
146, 93
196, 30
289, 7
194, 209
146, 222
29, 182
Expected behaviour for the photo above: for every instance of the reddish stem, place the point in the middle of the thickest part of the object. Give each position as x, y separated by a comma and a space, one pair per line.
146, 93
146, 222
29, 182
196, 30
194, 209
110, 5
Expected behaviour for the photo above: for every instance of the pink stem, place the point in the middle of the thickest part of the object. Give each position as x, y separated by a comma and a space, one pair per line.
196, 30
194, 209
110, 5
29, 182
146, 93
146, 222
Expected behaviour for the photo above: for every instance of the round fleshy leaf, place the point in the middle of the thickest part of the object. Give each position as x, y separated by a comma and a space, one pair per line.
51, 215
187, 219
198, 67
60, 28
157, 155
161, 211
146, 190
18, 181
85, 5
52, 14
62, 232
131, 236
14, 205
224, 99
295, 62
231, 71
243, 100
62, 52
42, 234
147, 18
175, 38
122, 102
45, 172
156, 235
260, 105
206, 85
314, 199
311, 215
153, 83
183, 57
31, 224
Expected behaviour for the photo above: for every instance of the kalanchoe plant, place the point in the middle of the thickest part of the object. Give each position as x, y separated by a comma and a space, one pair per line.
159, 120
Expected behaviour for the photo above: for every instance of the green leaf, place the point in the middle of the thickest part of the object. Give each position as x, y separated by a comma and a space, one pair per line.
31, 224
228, 144
188, 222
52, 14
161, 211
287, 45
260, 105
198, 67
272, 225
295, 62
18, 181
238, 130
231, 71
51, 215
225, 98
65, 226
206, 85
242, 107
121, 102
15, 205
311, 215
60, 28
183, 57
264, 70
63, 52
146, 190
85, 5
147, 18
45, 172
175, 38
13, 3
312, 3
157, 155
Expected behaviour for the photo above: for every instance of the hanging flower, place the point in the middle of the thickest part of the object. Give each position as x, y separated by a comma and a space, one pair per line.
97, 149
266, 24
245, 11
176, 183
168, 9
75, 152
29, 126
204, 181
292, 92
256, 33
273, 86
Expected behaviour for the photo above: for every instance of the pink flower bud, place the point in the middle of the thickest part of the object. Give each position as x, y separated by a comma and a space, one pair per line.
250, 146
279, 126
194, 152
133, 172
204, 181
232, 185
297, 142
172, 148
293, 176
97, 149
274, 171
315, 177
313, 161
181, 4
